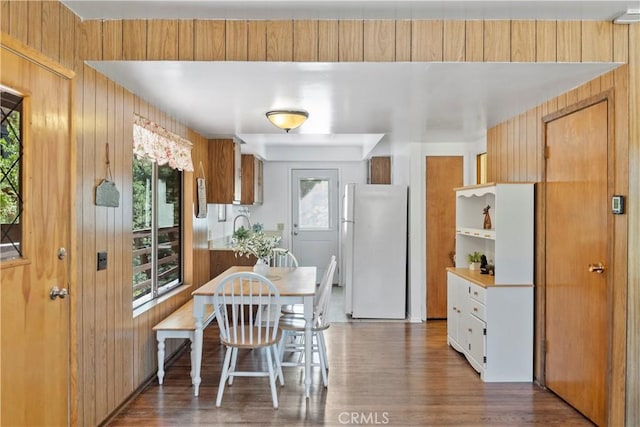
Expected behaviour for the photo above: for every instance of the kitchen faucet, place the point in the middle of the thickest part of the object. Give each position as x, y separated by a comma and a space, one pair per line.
235, 220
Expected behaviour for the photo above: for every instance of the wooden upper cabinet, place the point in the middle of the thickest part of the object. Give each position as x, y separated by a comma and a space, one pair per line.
380, 170
251, 180
224, 160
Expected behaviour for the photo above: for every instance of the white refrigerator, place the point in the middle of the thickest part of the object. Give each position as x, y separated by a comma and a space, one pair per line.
374, 251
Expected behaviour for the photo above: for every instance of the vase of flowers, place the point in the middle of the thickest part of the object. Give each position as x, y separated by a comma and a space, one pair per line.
255, 242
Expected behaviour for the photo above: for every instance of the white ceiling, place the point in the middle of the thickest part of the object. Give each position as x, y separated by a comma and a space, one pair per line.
352, 106
353, 9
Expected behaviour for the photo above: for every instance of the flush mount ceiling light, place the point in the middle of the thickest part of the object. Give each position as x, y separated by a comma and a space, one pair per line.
629, 17
287, 119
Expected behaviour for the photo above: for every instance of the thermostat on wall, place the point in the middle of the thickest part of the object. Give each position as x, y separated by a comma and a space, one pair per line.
617, 204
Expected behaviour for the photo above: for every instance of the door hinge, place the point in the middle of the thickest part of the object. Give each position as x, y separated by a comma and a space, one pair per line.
544, 346
484, 331
484, 359
546, 152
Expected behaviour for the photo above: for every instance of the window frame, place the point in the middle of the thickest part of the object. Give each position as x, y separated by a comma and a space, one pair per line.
156, 290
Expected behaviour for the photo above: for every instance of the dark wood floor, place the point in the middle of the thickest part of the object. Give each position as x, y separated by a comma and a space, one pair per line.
397, 374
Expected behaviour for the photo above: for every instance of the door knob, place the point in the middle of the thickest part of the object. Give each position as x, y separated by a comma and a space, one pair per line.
295, 233
56, 292
596, 268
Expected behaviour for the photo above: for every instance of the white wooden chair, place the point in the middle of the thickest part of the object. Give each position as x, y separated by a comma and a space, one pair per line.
283, 258
292, 326
238, 299
298, 309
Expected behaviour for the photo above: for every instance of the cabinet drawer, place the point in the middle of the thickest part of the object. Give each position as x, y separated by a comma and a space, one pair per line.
477, 293
476, 309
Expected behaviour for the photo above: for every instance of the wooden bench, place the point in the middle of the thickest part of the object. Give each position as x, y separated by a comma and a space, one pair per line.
179, 324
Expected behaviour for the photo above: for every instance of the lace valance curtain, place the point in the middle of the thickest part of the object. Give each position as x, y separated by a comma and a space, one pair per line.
159, 145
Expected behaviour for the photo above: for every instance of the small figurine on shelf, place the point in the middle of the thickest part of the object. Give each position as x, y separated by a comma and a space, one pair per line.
483, 265
487, 218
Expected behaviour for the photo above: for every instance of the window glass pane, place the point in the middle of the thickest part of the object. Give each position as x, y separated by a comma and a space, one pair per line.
168, 209
313, 206
142, 226
10, 176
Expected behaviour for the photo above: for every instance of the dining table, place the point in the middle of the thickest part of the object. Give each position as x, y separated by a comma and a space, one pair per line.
296, 285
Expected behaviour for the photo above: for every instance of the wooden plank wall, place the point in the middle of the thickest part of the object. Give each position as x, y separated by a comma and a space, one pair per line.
105, 328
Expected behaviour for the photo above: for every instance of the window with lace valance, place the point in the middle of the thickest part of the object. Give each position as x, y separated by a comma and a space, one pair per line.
153, 142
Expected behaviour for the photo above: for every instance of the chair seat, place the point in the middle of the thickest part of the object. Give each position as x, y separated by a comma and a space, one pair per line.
292, 309
251, 337
297, 324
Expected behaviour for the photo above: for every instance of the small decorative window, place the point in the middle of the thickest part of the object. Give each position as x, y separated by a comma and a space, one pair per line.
10, 175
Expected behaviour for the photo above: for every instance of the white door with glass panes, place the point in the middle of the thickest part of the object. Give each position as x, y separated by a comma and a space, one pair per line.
314, 217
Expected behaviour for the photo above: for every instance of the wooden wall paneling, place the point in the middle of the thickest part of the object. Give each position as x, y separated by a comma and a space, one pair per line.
102, 244
68, 39
491, 150
236, 37
134, 39
116, 139
497, 41
523, 41
112, 40
89, 42
185, 39
162, 39
546, 37
34, 25
280, 41
126, 377
5, 12
597, 41
620, 85
51, 29
512, 150
19, 12
534, 148
569, 41
426, 41
88, 303
621, 43
328, 35
474, 41
521, 141
453, 45
77, 352
379, 41
351, 41
403, 41
633, 299
114, 282
305, 41
257, 40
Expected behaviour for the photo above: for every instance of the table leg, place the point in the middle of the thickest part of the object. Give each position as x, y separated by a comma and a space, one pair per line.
308, 343
198, 314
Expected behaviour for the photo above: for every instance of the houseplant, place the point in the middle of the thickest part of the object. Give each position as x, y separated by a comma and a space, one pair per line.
255, 242
474, 260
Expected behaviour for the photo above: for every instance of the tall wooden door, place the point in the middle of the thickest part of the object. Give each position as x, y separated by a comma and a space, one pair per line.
577, 232
443, 174
35, 329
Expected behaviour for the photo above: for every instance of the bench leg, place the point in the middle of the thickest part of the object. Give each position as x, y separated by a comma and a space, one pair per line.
160, 359
192, 355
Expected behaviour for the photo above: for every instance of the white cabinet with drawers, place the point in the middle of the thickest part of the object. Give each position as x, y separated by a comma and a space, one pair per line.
491, 325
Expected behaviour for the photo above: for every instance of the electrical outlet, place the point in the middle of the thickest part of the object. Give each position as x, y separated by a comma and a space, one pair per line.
102, 261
